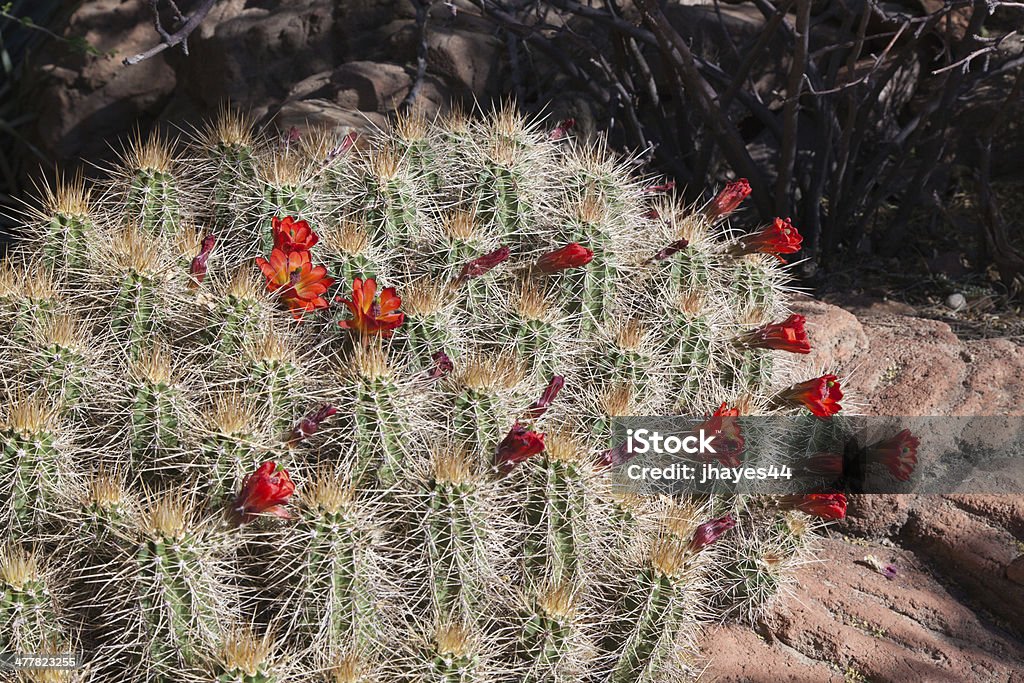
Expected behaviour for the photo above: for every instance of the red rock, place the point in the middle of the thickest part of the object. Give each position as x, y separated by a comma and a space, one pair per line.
1015, 571
845, 619
904, 365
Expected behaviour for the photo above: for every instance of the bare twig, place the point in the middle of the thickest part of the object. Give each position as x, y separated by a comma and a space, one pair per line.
933, 150
178, 16
625, 103
154, 7
966, 61
678, 52
743, 72
829, 234
512, 46
603, 17
1007, 259
798, 66
179, 37
422, 17
748, 99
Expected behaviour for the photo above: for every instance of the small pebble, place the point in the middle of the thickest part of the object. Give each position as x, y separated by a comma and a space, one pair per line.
956, 301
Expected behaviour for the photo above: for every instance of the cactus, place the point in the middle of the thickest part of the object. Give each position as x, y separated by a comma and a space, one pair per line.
27, 604
156, 599
359, 427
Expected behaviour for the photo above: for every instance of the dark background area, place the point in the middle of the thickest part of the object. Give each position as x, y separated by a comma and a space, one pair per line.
888, 131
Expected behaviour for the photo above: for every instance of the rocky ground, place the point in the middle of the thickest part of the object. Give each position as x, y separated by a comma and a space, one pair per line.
953, 610
844, 621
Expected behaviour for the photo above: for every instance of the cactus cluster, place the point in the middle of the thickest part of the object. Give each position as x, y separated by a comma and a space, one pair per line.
303, 408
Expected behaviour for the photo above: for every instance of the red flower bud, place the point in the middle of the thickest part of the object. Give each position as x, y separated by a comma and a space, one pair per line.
899, 453
291, 136
264, 491
198, 267
709, 532
728, 200
483, 264
789, 335
666, 187
562, 129
781, 237
820, 396
540, 406
570, 256
518, 446
824, 505
346, 144
729, 441
442, 365
670, 250
825, 465
613, 457
310, 424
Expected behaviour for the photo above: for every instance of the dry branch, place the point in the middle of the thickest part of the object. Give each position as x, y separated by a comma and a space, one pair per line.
180, 36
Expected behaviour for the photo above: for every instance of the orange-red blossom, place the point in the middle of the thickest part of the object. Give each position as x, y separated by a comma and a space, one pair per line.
264, 492
298, 283
370, 317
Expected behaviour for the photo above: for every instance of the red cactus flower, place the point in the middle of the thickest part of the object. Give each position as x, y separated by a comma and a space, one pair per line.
613, 457
442, 365
292, 235
899, 453
346, 144
562, 129
540, 406
370, 317
728, 200
824, 505
291, 136
670, 250
824, 465
518, 446
265, 491
309, 424
820, 395
729, 441
722, 411
483, 264
198, 267
570, 256
781, 237
709, 532
789, 335
298, 283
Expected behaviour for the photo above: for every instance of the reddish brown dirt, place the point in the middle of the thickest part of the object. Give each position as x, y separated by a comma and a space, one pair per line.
846, 622
953, 612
